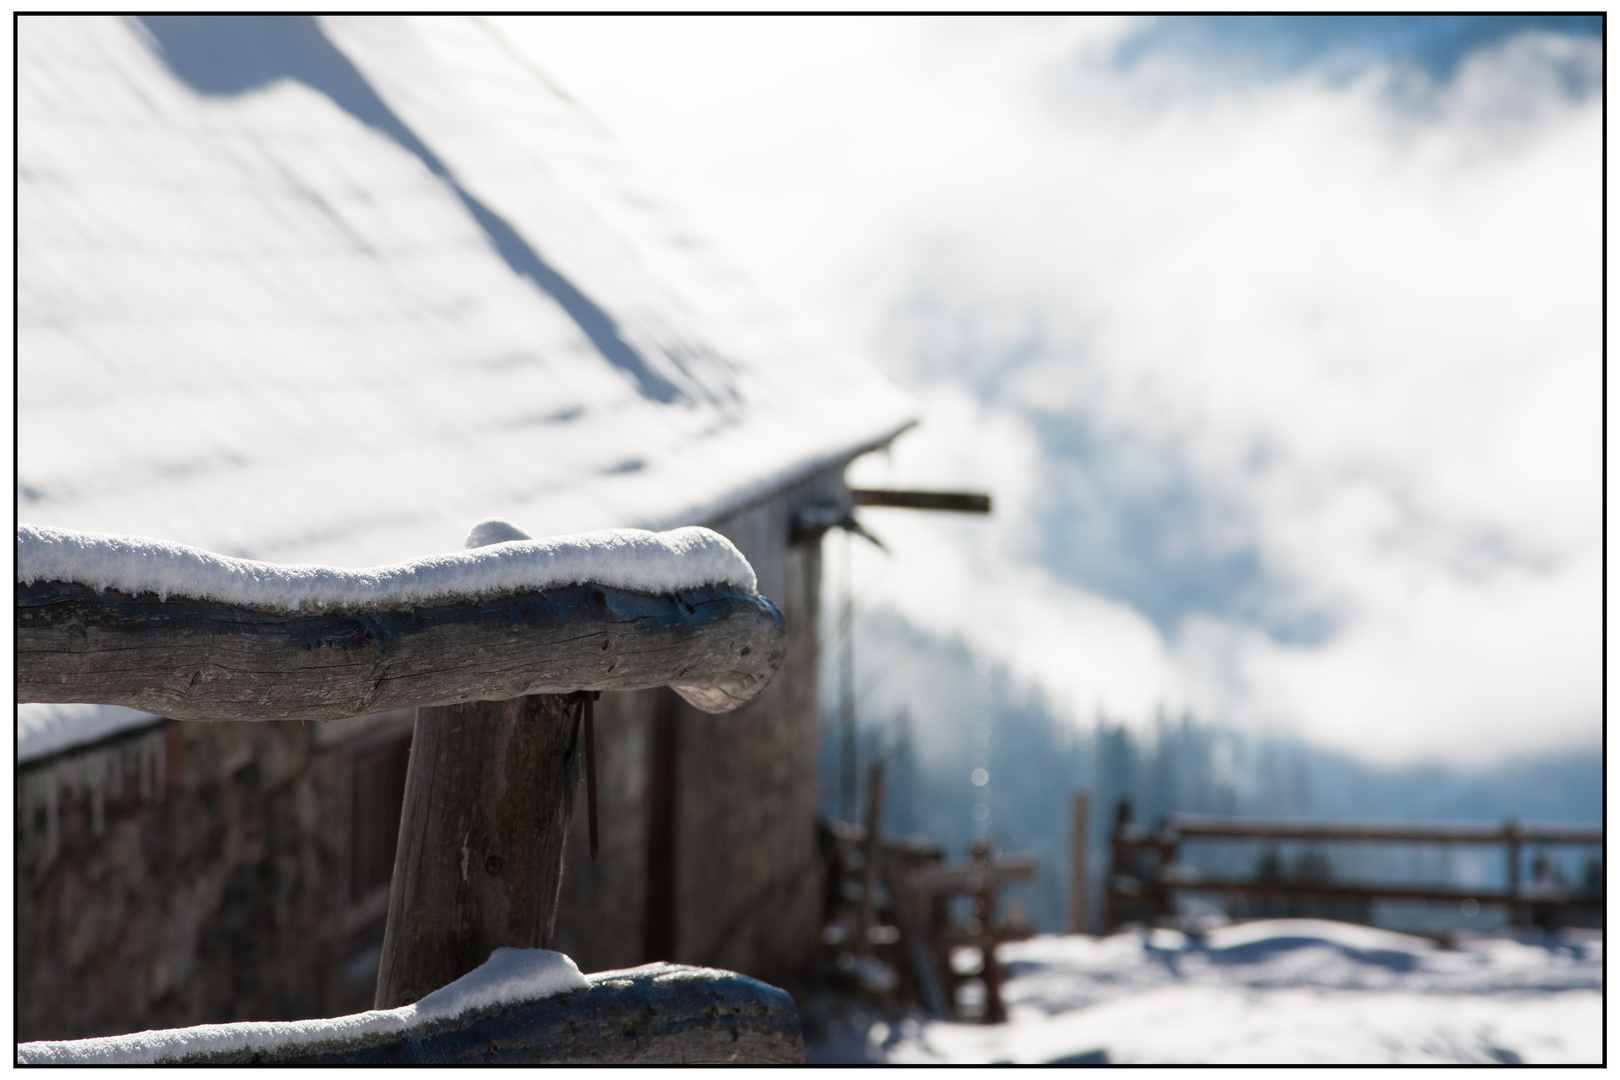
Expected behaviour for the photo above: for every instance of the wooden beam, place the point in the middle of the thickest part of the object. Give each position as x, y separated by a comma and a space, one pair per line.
971, 878
203, 660
1183, 880
1187, 826
488, 797
954, 501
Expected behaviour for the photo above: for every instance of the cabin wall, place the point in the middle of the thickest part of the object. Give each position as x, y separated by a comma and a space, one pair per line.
196, 873
747, 890
708, 839
601, 914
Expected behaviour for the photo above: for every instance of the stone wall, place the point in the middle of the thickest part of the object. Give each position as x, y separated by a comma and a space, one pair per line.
193, 873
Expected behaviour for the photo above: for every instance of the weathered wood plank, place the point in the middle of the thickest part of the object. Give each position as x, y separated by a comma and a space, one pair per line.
488, 798
954, 501
202, 660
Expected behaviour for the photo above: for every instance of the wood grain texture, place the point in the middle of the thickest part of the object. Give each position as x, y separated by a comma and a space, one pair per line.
489, 795
203, 660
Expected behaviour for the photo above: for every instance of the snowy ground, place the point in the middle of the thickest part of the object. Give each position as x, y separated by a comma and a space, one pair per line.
1299, 990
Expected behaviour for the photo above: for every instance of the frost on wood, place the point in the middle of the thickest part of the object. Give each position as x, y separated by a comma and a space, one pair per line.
631, 559
510, 976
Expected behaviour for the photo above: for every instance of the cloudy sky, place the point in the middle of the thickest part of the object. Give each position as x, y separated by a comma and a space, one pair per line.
1277, 341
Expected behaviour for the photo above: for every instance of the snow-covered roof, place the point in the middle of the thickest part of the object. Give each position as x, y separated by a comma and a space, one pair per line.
46, 729
330, 291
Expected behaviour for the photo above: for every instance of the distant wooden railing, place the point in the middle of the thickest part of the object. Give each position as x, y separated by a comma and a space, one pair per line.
883, 886
959, 502
1144, 874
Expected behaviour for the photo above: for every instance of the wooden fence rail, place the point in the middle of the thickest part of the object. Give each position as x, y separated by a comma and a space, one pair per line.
1144, 875
205, 660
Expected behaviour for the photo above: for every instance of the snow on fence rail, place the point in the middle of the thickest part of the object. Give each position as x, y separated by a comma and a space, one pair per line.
523, 1006
189, 634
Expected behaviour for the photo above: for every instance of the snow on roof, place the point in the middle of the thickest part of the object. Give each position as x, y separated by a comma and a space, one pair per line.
43, 729
509, 976
327, 290
621, 558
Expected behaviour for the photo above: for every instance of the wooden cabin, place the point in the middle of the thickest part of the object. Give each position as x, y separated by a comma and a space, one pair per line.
333, 290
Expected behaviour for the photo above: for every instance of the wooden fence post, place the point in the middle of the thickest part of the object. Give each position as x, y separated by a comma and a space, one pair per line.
1078, 851
1117, 865
488, 798
1510, 833
870, 871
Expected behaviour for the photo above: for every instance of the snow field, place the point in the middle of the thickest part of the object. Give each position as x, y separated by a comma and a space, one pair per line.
1279, 991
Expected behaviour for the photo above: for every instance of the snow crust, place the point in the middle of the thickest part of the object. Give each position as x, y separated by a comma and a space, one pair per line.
509, 976
1283, 990
621, 558
45, 729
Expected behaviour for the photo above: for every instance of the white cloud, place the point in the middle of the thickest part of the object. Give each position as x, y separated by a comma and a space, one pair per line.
1362, 318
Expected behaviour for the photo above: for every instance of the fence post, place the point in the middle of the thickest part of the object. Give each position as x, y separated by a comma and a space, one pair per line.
1511, 832
1111, 905
1166, 845
1078, 851
870, 870
488, 798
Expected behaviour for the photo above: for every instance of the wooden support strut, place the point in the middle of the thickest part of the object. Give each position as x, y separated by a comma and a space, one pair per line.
488, 797
952, 501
